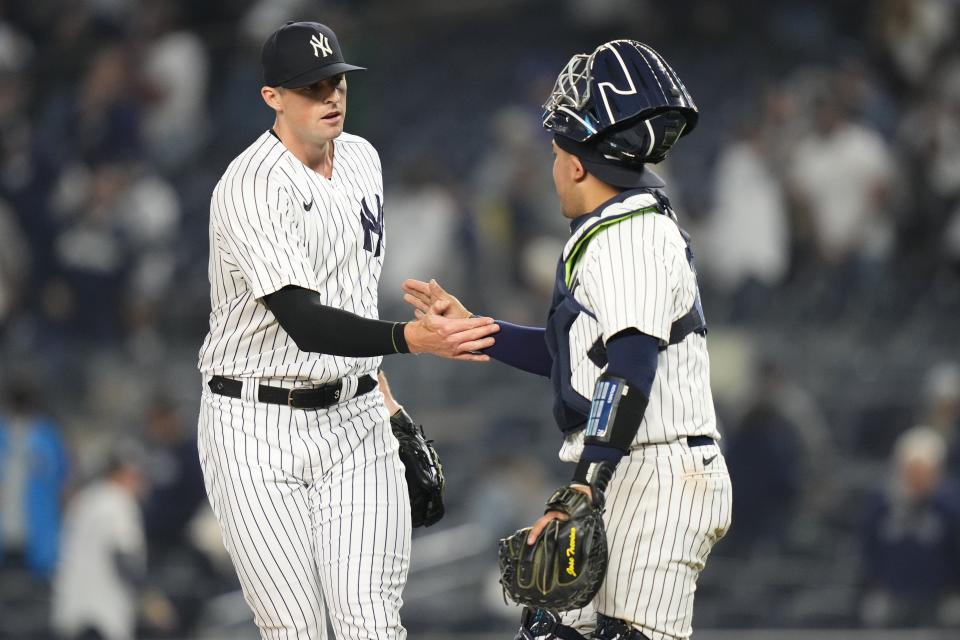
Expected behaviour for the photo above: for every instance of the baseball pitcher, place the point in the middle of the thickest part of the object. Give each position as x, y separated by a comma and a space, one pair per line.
313, 470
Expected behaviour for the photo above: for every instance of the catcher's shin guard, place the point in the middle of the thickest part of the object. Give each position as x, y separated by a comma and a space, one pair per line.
613, 629
541, 624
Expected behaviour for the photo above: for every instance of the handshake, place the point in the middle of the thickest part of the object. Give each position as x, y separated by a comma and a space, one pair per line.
443, 326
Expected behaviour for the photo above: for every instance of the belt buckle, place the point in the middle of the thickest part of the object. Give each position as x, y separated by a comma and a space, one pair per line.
336, 394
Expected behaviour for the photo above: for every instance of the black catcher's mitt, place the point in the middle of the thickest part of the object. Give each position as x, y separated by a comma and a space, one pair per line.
564, 568
423, 470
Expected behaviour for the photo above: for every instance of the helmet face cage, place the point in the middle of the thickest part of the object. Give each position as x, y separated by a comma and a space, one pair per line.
621, 82
563, 110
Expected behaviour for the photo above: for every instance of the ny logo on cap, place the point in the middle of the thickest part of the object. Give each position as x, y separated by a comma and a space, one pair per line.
320, 45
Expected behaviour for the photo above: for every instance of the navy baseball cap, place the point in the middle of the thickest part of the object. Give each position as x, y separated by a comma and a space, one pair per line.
613, 172
301, 53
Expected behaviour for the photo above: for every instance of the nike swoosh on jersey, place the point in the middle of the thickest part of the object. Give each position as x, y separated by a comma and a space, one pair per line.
707, 461
308, 206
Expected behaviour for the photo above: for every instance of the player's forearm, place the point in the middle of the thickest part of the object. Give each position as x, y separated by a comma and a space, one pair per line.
632, 359
316, 327
523, 348
391, 403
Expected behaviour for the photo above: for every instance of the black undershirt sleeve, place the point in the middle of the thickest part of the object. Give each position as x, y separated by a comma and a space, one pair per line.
316, 327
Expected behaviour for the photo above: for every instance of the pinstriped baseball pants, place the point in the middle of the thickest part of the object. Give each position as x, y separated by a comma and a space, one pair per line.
667, 505
314, 512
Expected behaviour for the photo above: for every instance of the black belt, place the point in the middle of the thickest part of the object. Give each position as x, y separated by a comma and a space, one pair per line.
312, 398
699, 441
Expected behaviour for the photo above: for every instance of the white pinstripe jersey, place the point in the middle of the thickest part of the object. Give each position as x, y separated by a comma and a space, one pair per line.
635, 274
275, 222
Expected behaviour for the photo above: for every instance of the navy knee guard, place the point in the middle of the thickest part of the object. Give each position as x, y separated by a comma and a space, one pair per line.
613, 629
541, 624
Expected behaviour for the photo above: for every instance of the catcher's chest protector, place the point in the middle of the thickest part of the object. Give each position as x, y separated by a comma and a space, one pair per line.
570, 408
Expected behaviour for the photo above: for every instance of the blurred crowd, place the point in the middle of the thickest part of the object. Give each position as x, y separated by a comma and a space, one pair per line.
822, 190
74, 542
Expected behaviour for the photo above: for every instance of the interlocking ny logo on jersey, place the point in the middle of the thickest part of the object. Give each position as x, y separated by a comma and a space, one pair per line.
372, 223
320, 44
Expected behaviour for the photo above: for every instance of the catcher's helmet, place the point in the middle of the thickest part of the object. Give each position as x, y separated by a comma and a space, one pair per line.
624, 99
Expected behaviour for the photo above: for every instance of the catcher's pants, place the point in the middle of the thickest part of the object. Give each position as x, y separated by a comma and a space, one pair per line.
314, 510
665, 510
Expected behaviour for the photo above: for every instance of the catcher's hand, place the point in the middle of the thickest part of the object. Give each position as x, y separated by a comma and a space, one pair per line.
424, 472
565, 566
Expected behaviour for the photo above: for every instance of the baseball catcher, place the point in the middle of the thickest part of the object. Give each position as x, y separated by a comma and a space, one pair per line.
423, 470
625, 348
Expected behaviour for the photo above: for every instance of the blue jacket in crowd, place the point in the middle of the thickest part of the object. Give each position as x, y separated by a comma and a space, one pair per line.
46, 476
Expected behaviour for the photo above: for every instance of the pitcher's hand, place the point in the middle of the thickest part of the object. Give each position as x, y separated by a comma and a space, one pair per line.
454, 338
424, 295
